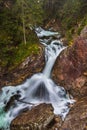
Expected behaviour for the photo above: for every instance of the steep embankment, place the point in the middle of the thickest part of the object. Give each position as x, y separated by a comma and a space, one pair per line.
32, 64
70, 69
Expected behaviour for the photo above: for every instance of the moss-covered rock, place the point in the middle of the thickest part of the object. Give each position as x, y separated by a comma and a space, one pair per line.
32, 64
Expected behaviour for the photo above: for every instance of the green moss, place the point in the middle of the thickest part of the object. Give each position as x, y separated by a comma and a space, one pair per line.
69, 35
15, 56
22, 51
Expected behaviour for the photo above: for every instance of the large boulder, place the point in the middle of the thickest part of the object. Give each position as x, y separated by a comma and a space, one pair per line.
77, 117
70, 69
36, 119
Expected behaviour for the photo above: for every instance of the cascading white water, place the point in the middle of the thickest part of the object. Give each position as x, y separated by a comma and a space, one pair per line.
51, 53
40, 88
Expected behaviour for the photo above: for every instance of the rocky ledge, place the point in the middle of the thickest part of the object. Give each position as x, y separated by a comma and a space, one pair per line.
36, 119
40, 117
31, 65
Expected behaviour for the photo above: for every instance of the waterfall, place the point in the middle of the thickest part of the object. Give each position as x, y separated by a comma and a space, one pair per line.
51, 53
40, 88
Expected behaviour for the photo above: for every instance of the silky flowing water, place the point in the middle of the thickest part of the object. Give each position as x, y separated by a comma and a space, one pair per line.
39, 88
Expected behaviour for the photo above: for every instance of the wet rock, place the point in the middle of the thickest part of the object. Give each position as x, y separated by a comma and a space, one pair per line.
77, 117
36, 119
31, 65
71, 66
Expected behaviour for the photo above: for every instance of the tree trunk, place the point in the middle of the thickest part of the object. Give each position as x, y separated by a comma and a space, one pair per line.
24, 31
